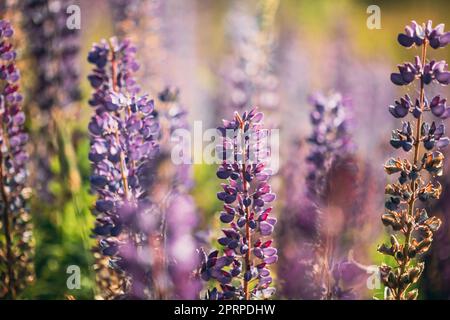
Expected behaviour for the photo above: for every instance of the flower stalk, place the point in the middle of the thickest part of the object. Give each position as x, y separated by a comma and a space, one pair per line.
146, 23
54, 50
247, 216
123, 133
242, 271
402, 212
331, 146
15, 236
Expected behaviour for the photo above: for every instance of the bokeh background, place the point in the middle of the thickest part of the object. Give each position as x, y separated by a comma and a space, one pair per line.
305, 47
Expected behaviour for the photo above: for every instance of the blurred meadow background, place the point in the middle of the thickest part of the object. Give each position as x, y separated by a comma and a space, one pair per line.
203, 47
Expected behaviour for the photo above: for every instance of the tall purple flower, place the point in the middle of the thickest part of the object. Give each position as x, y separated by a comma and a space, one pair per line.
173, 185
330, 141
54, 49
331, 167
315, 216
422, 140
247, 243
15, 235
144, 21
123, 145
345, 69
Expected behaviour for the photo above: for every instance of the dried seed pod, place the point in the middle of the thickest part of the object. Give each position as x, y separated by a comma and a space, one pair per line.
385, 250
412, 251
412, 295
415, 272
394, 242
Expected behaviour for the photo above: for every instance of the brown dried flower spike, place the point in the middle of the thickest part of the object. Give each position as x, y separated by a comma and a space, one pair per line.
415, 182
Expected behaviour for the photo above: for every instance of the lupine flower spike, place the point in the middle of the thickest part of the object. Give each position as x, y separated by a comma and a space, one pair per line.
123, 145
330, 140
317, 265
331, 148
54, 49
422, 141
15, 235
177, 215
242, 271
180, 214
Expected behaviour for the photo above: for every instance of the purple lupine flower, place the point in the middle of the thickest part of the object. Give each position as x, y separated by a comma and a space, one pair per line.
170, 192
123, 133
330, 163
247, 242
422, 141
416, 34
345, 69
181, 243
431, 71
54, 49
16, 240
143, 21
123, 65
318, 218
345, 274
329, 140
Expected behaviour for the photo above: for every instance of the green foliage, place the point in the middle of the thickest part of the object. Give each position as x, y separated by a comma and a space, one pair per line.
205, 190
62, 225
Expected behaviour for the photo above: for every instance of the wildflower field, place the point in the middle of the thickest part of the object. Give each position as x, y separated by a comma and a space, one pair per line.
224, 150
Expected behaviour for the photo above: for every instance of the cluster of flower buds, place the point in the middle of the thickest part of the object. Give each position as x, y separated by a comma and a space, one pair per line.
114, 67
54, 49
15, 236
124, 134
330, 147
404, 106
416, 34
177, 208
247, 245
428, 72
403, 213
176, 211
